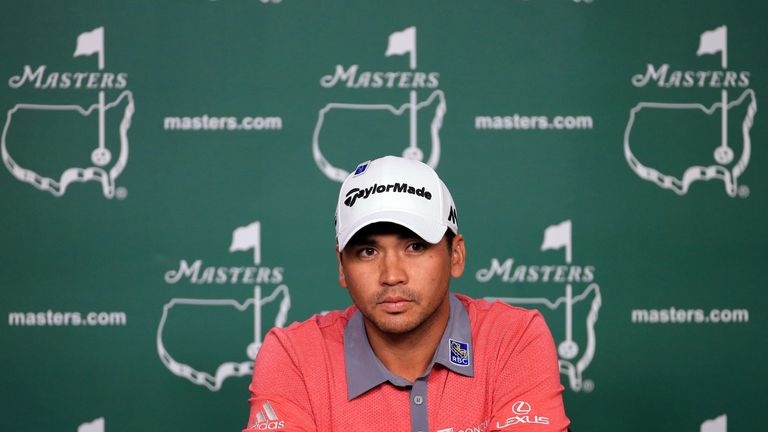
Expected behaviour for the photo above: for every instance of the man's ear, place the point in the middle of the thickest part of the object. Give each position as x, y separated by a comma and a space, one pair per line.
458, 256
342, 280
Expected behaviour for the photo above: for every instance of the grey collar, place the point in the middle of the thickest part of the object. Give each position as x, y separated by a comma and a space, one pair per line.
365, 371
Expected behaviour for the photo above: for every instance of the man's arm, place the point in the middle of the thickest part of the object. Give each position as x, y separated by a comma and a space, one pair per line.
279, 398
528, 393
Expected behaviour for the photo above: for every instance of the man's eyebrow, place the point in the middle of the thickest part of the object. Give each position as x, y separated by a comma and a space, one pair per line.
371, 240
363, 241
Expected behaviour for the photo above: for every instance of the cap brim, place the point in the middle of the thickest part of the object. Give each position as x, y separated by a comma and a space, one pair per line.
427, 230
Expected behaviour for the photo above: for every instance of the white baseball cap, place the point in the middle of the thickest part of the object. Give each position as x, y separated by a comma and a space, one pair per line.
393, 189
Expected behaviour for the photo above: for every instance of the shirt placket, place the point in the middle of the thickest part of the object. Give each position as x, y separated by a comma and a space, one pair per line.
418, 399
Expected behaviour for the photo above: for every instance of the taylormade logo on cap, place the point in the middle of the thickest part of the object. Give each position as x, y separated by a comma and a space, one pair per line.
397, 190
356, 193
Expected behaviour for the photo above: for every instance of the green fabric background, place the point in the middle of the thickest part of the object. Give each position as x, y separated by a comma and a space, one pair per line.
183, 193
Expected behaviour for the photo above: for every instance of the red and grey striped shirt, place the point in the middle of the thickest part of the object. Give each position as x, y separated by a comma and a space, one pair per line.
495, 369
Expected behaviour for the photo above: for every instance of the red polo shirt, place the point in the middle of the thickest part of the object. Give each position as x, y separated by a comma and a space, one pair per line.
495, 369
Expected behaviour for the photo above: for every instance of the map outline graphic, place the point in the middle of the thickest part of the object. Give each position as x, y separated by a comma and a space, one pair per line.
227, 369
695, 173
73, 174
338, 174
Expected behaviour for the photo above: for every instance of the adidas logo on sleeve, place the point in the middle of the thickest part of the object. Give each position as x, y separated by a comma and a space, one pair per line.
267, 419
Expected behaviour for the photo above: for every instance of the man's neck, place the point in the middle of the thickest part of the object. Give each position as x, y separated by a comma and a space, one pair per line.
409, 354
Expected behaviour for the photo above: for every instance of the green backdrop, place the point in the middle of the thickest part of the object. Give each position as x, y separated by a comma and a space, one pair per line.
168, 193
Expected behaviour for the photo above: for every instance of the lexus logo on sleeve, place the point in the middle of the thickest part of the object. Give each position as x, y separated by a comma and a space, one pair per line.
521, 407
521, 411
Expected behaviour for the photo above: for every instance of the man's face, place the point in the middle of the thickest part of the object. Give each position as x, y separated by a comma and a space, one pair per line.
398, 281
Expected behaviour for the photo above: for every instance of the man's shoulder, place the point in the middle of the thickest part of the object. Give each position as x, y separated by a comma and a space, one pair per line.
482, 308
326, 325
499, 329
492, 316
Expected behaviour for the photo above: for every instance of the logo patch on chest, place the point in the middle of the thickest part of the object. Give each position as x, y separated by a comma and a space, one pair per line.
459, 352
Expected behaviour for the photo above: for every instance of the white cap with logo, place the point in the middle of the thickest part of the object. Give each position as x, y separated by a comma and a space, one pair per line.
393, 189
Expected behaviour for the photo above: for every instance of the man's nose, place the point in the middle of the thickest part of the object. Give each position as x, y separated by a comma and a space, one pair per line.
393, 271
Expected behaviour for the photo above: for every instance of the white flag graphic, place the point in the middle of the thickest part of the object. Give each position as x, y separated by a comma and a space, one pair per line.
94, 426
402, 42
713, 42
558, 236
720, 424
91, 42
248, 237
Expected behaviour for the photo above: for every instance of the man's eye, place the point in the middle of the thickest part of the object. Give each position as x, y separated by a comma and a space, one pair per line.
366, 252
417, 247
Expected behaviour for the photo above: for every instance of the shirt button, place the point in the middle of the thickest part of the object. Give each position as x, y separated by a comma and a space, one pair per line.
418, 400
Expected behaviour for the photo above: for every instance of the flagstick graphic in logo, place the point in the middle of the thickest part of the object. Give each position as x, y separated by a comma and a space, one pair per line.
243, 239
404, 42
556, 237
89, 43
713, 42
253, 347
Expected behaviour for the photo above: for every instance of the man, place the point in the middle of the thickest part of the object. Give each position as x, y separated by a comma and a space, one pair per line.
409, 355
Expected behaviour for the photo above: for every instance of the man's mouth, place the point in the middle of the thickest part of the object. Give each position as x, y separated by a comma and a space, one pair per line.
395, 304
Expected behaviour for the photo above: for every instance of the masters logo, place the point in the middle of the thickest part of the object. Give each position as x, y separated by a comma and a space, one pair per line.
187, 324
42, 164
577, 308
330, 131
708, 156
